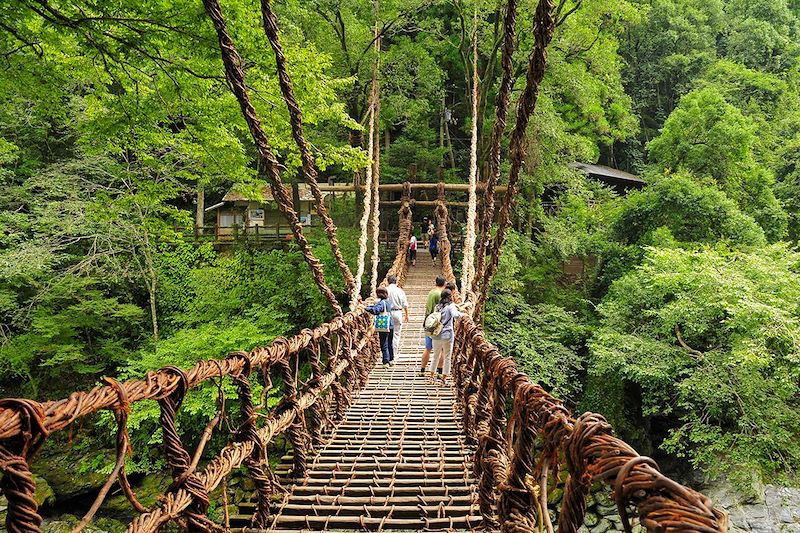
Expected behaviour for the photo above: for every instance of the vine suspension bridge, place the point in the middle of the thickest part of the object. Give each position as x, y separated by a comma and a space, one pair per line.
372, 448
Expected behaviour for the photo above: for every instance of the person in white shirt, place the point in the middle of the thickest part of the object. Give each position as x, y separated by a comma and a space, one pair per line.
412, 250
399, 309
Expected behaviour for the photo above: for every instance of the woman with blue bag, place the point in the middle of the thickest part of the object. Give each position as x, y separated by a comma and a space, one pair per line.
384, 324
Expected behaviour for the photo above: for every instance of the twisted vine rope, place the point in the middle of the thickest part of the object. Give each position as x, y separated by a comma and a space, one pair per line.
543, 28
376, 172
370, 193
268, 164
400, 265
25, 424
468, 263
367, 208
517, 482
442, 219
496, 139
270, 22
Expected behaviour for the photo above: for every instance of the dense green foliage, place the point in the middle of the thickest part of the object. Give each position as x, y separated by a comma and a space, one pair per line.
681, 323
712, 338
671, 310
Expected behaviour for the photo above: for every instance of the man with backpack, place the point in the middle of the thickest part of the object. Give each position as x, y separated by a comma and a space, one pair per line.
430, 304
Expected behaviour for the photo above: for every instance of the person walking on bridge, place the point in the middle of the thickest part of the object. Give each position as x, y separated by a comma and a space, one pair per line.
383, 307
399, 309
412, 250
433, 247
443, 342
430, 304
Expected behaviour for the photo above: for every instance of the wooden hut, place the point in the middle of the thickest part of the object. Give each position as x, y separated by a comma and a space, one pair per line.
240, 214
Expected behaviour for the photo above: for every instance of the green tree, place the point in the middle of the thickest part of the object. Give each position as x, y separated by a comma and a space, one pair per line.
710, 337
665, 50
712, 139
691, 212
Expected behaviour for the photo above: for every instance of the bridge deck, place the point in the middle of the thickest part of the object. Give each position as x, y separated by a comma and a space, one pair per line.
398, 459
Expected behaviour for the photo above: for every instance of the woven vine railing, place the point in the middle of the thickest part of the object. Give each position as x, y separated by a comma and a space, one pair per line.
341, 354
521, 459
400, 265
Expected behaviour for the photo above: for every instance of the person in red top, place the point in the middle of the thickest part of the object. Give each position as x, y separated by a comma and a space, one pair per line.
412, 250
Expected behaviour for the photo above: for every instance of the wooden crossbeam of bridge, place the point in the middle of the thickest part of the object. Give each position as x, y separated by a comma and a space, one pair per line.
398, 187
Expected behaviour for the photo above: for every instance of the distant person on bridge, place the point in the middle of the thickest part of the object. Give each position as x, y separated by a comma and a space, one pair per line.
430, 304
399, 309
433, 247
423, 229
412, 250
443, 342
383, 308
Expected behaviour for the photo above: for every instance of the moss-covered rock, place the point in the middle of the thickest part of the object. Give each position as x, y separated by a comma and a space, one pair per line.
73, 473
555, 496
45, 496
67, 522
591, 519
147, 490
602, 527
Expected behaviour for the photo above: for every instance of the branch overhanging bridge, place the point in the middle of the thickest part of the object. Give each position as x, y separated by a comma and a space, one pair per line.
372, 447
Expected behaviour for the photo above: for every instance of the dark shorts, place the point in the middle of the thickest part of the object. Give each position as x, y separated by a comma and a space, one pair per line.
412, 255
428, 343
434, 252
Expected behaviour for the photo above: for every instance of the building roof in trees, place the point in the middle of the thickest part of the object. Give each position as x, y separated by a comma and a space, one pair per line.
241, 194
618, 179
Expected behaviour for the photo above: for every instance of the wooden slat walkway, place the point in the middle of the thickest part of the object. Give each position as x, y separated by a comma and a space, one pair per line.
398, 459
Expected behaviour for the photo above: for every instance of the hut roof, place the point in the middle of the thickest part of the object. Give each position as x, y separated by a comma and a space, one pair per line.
237, 195
611, 176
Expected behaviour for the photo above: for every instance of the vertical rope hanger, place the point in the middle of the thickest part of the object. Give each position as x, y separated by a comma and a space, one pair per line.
367, 209
268, 164
498, 129
376, 172
543, 28
270, 21
468, 265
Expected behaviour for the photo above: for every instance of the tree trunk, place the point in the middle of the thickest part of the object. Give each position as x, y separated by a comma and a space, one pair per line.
441, 126
199, 215
151, 289
296, 196
449, 143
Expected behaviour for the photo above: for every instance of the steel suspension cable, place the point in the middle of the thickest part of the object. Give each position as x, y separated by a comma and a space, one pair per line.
270, 21
268, 164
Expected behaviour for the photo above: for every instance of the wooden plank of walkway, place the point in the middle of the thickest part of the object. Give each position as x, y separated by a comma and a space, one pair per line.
398, 459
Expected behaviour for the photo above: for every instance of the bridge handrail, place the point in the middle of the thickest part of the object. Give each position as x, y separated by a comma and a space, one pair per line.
513, 477
399, 267
350, 348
